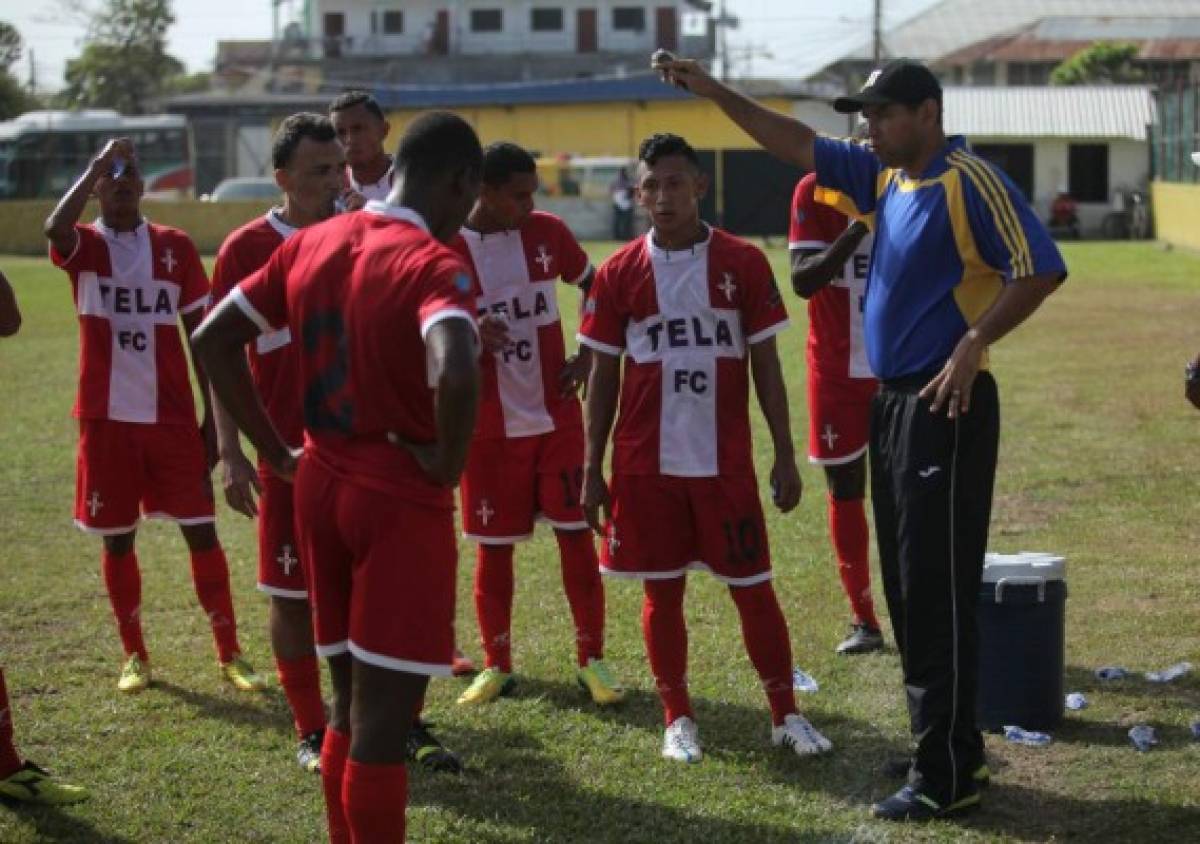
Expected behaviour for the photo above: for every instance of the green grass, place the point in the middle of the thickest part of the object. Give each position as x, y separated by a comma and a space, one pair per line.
1099, 461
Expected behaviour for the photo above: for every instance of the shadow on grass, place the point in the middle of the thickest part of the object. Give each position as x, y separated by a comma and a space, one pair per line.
53, 823
267, 714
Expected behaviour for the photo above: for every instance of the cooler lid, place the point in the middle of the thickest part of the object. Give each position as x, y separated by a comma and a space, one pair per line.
1027, 564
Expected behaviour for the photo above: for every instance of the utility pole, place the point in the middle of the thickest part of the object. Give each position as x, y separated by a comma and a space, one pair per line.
878, 33
722, 45
32, 73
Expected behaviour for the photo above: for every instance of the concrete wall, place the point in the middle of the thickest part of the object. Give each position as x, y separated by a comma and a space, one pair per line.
1176, 209
206, 222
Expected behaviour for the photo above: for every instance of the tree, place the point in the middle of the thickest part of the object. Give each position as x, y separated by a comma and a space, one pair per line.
14, 99
1104, 62
10, 45
125, 64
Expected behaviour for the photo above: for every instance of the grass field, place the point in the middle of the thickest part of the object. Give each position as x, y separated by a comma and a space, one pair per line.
1099, 461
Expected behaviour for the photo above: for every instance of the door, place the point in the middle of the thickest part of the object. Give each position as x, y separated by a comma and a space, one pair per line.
585, 31
441, 33
667, 28
334, 29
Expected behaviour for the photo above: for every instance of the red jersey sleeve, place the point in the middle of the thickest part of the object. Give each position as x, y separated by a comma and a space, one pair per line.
574, 261
262, 296
83, 258
448, 292
812, 225
195, 281
227, 272
763, 311
603, 325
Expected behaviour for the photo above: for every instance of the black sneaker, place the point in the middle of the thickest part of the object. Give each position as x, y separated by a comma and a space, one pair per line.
862, 640
898, 768
423, 747
909, 804
308, 752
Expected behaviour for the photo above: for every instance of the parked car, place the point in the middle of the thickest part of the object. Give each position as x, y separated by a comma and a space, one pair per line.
244, 189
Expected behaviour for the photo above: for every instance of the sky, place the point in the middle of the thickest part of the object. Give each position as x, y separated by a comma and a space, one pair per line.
775, 38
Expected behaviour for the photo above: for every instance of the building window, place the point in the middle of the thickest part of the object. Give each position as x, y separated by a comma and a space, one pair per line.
629, 18
1088, 168
1016, 160
546, 20
393, 22
1030, 73
487, 20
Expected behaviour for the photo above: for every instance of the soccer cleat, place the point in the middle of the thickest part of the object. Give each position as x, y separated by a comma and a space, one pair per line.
801, 736
461, 665
597, 680
862, 639
489, 684
135, 675
423, 747
681, 741
242, 676
308, 752
32, 784
909, 804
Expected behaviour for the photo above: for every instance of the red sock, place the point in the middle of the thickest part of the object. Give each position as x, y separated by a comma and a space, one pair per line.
10, 760
210, 575
851, 543
375, 797
493, 604
124, 583
585, 592
301, 681
334, 753
666, 644
765, 633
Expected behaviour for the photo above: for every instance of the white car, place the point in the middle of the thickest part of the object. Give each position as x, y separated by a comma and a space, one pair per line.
244, 189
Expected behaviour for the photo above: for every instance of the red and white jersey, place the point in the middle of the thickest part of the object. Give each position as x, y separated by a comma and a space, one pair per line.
685, 320
273, 359
378, 189
129, 290
835, 318
360, 292
515, 276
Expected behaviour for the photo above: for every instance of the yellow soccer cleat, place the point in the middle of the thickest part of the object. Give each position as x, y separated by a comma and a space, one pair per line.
598, 681
489, 684
242, 676
32, 784
135, 675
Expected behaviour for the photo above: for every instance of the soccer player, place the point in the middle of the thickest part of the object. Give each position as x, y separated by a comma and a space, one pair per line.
384, 317
140, 449
959, 261
830, 257
689, 305
362, 130
308, 164
526, 457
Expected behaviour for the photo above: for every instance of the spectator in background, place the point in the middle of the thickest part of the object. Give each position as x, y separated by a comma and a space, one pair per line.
621, 190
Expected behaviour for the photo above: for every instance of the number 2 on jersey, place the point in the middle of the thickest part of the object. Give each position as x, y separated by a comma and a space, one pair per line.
324, 338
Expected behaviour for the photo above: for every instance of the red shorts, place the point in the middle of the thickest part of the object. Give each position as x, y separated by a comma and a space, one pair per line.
661, 526
381, 573
508, 483
280, 571
839, 415
125, 470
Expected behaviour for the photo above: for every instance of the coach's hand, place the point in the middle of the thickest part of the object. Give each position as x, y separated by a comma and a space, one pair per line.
241, 482
493, 333
951, 388
786, 485
597, 506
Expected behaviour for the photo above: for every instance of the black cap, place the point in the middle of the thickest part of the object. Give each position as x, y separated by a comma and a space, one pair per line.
899, 81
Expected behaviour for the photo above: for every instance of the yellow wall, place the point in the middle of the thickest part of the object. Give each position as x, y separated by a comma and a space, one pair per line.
206, 222
1176, 213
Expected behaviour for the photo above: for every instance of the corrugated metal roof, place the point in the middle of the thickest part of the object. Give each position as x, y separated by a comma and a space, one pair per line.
1092, 111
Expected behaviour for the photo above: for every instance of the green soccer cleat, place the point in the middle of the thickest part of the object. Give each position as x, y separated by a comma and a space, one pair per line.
597, 680
489, 684
242, 676
135, 675
424, 748
32, 784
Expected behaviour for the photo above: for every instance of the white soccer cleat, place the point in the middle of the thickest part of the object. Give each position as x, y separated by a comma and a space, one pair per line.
681, 741
800, 736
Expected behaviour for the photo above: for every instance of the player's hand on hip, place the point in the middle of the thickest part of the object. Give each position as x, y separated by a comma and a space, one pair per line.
595, 500
786, 485
951, 388
241, 482
430, 458
284, 464
493, 333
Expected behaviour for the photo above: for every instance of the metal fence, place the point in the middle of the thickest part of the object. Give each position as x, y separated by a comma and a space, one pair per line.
1176, 135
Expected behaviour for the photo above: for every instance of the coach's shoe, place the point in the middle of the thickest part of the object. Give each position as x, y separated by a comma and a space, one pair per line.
489, 684
461, 665
423, 747
801, 736
909, 804
308, 752
135, 675
862, 639
242, 676
681, 741
32, 784
597, 680
898, 767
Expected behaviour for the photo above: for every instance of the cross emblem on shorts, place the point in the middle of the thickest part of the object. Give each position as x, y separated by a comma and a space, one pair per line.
168, 260
830, 437
544, 258
94, 504
287, 560
727, 286
485, 512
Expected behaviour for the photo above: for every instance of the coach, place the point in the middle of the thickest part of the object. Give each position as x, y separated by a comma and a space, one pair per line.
960, 260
